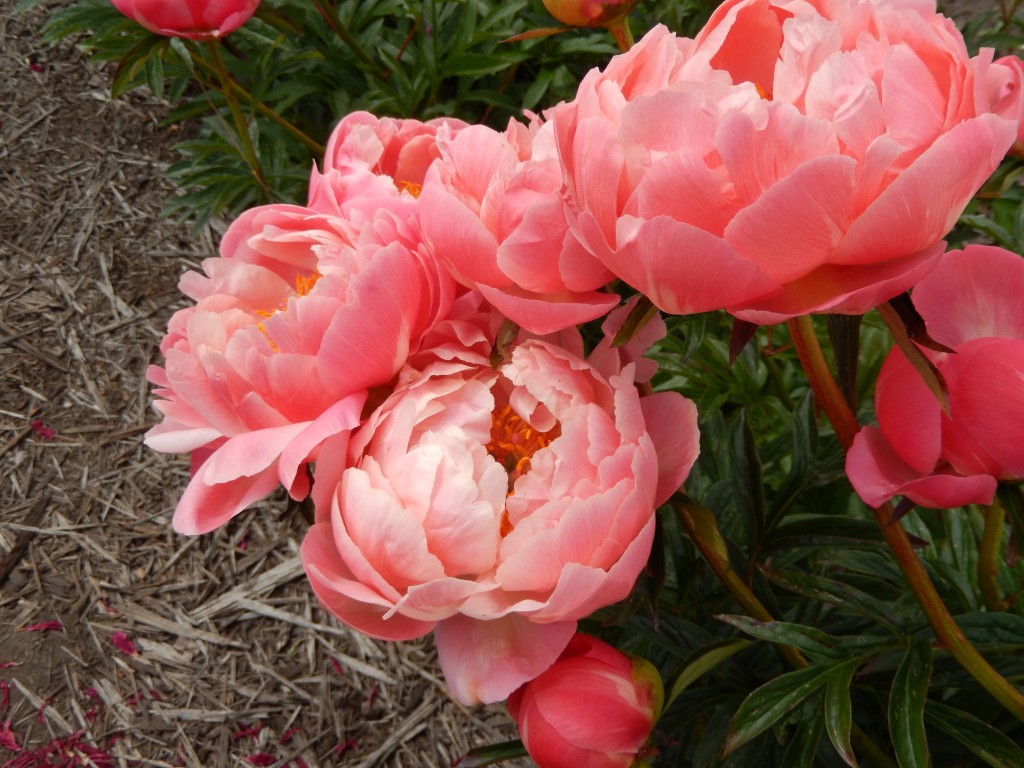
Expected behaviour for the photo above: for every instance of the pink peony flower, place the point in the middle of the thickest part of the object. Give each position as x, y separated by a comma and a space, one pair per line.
814, 153
496, 506
971, 303
194, 19
298, 318
595, 706
400, 150
493, 214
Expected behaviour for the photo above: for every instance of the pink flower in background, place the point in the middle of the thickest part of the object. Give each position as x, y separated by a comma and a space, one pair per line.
498, 506
492, 213
589, 13
594, 707
999, 88
298, 318
971, 303
398, 151
194, 19
815, 157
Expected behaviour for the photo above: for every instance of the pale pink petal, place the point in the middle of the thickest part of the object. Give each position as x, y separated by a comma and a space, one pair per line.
380, 538
485, 661
544, 314
815, 201
679, 267
839, 289
924, 201
340, 418
972, 294
248, 454
204, 507
581, 590
330, 579
878, 474
671, 422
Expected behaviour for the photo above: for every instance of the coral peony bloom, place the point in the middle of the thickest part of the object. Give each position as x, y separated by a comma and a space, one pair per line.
589, 13
789, 160
971, 303
389, 151
194, 19
496, 506
594, 707
493, 214
297, 319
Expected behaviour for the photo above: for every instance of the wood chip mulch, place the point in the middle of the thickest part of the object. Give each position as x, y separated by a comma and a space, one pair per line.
121, 642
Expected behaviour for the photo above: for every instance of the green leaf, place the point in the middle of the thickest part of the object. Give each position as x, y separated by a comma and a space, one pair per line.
702, 662
992, 628
838, 713
835, 592
766, 705
813, 642
803, 744
820, 531
988, 743
491, 754
135, 61
906, 706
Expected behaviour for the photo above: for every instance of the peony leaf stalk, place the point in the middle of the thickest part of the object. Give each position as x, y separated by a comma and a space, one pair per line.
241, 124
989, 553
269, 112
830, 399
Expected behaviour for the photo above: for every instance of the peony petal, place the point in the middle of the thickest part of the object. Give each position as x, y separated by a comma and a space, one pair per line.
544, 314
924, 201
973, 293
909, 415
485, 661
878, 474
679, 267
204, 507
327, 571
671, 421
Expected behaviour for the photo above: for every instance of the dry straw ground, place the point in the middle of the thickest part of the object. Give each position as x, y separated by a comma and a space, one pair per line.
235, 664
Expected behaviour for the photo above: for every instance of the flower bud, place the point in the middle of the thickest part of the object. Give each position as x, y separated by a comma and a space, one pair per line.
194, 19
594, 706
589, 13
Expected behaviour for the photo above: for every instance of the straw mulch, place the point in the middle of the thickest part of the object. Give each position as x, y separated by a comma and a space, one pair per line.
122, 643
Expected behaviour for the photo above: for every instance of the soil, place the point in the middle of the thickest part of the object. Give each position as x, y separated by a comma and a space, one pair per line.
120, 640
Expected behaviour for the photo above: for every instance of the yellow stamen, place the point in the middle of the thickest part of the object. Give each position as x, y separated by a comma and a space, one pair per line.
411, 187
513, 444
303, 286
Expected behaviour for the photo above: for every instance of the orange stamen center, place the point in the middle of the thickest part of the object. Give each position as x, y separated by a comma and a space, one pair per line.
303, 285
513, 443
411, 187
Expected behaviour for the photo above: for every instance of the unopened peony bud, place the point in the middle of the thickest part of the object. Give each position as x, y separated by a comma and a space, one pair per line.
595, 706
589, 13
194, 19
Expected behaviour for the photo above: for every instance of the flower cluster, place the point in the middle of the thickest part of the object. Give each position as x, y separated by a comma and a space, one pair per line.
405, 349
346, 350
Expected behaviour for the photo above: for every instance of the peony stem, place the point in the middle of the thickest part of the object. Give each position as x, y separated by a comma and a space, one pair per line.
989, 554
347, 37
830, 399
703, 531
622, 33
241, 124
314, 146
700, 525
